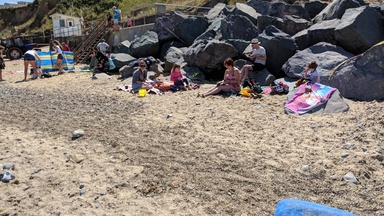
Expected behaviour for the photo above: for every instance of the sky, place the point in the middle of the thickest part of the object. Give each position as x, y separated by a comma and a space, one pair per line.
14, 1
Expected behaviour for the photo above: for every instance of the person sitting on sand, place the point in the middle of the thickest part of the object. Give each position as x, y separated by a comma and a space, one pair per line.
178, 79
311, 73
231, 81
139, 78
30, 58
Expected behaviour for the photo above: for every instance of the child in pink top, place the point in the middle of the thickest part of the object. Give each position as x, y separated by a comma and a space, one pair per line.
178, 79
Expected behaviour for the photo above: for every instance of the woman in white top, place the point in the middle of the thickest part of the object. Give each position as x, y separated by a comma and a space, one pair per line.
58, 50
30, 58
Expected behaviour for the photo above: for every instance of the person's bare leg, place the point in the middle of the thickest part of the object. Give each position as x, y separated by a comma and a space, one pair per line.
33, 63
26, 63
59, 66
1, 75
244, 71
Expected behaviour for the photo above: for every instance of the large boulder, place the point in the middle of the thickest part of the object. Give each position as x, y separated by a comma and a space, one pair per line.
293, 25
247, 11
189, 29
359, 29
162, 27
228, 28
209, 54
314, 7
165, 47
335, 104
336, 9
279, 47
146, 45
362, 78
327, 56
281, 9
122, 59
265, 20
123, 47
216, 11
194, 73
261, 7
239, 44
174, 55
319, 32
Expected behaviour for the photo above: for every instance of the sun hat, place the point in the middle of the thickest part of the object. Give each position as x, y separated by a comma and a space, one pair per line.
255, 41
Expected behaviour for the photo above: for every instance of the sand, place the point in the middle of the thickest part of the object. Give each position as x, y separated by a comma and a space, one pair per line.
215, 155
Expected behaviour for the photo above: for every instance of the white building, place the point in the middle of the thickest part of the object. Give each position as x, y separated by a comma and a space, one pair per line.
65, 25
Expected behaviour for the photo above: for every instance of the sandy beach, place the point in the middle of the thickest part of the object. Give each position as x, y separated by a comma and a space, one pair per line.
177, 154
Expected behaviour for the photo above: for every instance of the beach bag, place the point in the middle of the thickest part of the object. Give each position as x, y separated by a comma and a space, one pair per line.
111, 64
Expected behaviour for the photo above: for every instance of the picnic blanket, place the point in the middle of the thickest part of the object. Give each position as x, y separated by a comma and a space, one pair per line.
302, 102
49, 61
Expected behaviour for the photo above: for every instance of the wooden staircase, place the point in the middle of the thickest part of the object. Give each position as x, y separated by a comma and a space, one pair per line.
86, 47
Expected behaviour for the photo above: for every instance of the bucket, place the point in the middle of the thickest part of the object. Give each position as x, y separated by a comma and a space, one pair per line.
142, 92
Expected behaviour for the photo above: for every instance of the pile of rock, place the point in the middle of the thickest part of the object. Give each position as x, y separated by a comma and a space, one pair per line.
292, 34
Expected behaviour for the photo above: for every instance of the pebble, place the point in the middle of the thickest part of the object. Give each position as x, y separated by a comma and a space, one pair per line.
81, 186
7, 176
197, 103
344, 155
364, 148
305, 168
9, 166
258, 107
348, 145
77, 133
37, 170
82, 192
169, 116
351, 178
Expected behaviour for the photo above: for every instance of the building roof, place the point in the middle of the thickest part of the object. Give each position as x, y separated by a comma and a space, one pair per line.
59, 14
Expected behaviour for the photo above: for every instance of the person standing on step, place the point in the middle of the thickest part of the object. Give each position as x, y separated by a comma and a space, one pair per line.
258, 57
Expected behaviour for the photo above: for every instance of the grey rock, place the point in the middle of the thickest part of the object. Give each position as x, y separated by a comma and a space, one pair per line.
247, 11
327, 56
359, 29
82, 192
122, 59
189, 29
344, 155
77, 133
209, 54
260, 6
8, 166
305, 168
146, 45
336, 9
279, 47
349, 177
6, 177
314, 8
361, 77
37, 170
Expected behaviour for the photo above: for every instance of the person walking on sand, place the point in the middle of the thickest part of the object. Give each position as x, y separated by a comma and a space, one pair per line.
2, 64
58, 50
30, 59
